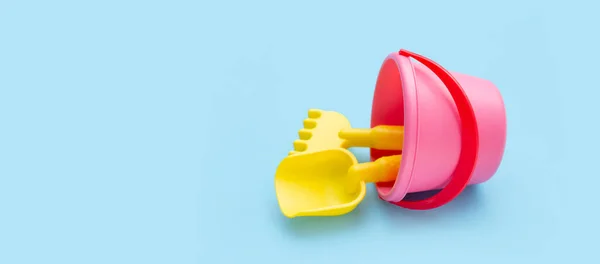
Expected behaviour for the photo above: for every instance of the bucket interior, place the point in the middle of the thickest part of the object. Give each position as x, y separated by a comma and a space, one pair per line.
389, 100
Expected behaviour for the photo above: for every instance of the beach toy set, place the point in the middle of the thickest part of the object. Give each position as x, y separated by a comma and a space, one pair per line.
431, 129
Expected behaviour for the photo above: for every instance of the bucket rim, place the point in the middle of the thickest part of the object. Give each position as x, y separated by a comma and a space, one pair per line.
405, 69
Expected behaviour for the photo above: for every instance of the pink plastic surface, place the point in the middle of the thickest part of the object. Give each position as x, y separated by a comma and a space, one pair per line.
409, 94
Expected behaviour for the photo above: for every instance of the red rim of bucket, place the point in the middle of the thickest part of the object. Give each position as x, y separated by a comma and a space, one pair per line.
469, 140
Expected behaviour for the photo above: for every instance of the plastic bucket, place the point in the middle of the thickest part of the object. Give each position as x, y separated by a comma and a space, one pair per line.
454, 125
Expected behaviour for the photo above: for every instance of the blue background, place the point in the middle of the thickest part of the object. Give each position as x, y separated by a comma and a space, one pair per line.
149, 131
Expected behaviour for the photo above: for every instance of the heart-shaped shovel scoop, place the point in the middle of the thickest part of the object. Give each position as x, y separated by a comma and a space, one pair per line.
330, 182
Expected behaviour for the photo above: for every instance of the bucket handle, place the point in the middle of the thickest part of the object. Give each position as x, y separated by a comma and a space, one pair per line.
469, 140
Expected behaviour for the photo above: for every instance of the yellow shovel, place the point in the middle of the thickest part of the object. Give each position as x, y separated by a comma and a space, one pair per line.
322, 178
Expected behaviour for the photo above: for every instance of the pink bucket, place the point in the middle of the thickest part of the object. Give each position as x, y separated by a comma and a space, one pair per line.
454, 125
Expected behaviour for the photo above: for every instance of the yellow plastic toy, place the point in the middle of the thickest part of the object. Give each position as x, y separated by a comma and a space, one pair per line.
329, 130
320, 131
321, 177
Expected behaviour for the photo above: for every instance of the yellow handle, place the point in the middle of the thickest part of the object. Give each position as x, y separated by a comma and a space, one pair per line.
383, 169
379, 137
